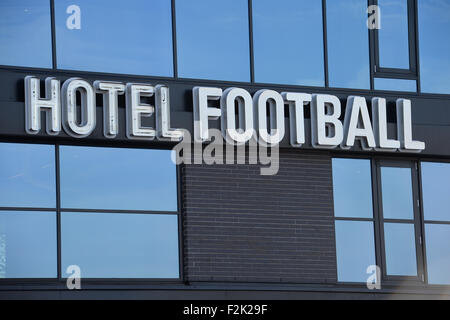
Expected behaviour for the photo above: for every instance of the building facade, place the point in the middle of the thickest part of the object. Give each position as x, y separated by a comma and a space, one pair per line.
337, 186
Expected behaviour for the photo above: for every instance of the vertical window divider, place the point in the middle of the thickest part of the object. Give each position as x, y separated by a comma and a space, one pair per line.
416, 43
371, 50
179, 169
421, 221
250, 32
174, 41
376, 218
325, 42
58, 211
53, 28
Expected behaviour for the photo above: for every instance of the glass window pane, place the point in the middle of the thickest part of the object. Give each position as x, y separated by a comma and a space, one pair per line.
434, 47
435, 190
116, 178
393, 34
348, 44
395, 84
28, 244
396, 191
27, 175
400, 249
438, 253
115, 245
355, 250
352, 188
213, 39
288, 42
25, 33
133, 37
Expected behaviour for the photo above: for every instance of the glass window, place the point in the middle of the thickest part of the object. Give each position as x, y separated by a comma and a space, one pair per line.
25, 33
213, 39
436, 206
116, 245
437, 237
393, 34
434, 47
435, 190
400, 249
27, 175
348, 44
352, 193
355, 250
28, 244
133, 37
352, 188
118, 178
288, 42
395, 84
396, 186
399, 237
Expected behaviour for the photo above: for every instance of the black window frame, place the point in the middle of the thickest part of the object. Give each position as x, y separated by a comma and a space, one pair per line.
376, 70
376, 162
380, 221
60, 280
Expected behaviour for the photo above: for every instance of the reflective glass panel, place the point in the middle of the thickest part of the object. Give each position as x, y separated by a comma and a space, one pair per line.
437, 238
348, 44
355, 250
434, 45
133, 37
116, 245
25, 33
213, 39
400, 249
395, 84
396, 187
393, 34
118, 178
352, 188
27, 175
28, 244
288, 42
435, 190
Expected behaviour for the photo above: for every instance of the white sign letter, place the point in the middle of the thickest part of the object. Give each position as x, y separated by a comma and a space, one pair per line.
296, 103
380, 126
404, 127
276, 103
34, 104
245, 115
325, 112
110, 91
136, 110
69, 110
202, 113
357, 124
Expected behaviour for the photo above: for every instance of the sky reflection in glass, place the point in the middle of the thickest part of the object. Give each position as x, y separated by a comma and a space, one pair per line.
393, 34
213, 39
133, 37
288, 42
348, 44
27, 175
118, 178
28, 244
116, 245
355, 249
25, 33
434, 45
352, 188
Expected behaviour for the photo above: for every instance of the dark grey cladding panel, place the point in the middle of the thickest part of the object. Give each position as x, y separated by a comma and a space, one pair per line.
430, 113
242, 226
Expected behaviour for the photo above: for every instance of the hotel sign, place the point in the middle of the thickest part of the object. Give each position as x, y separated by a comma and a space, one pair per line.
261, 117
